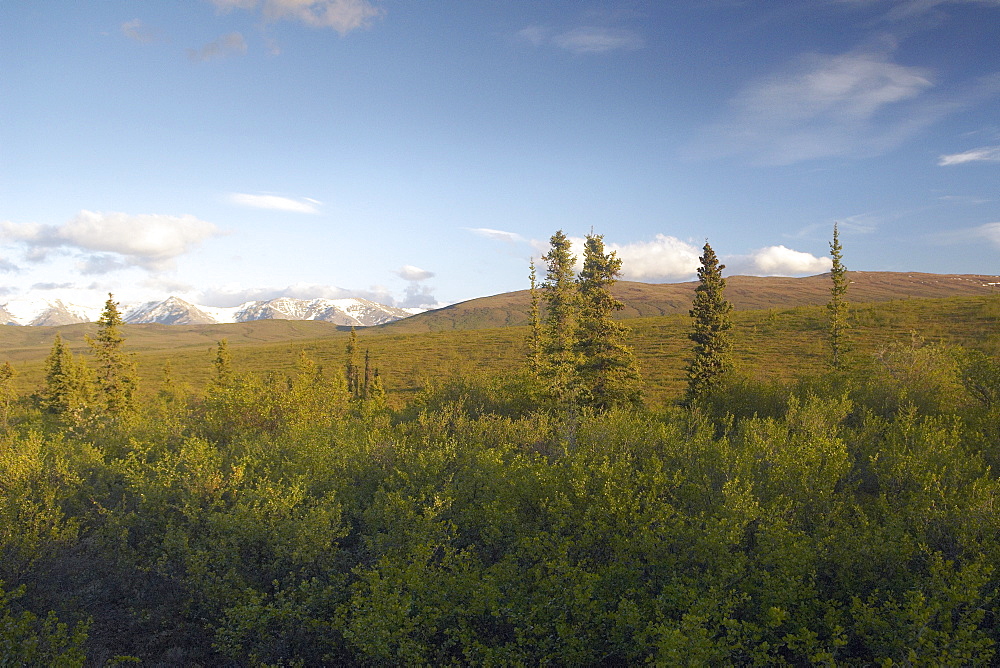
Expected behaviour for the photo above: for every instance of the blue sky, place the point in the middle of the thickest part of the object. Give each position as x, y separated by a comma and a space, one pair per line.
421, 153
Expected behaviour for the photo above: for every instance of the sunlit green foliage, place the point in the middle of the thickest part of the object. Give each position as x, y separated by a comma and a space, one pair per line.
846, 517
26, 640
68, 388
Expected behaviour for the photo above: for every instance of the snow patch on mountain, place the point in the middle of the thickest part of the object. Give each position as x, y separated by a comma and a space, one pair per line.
176, 311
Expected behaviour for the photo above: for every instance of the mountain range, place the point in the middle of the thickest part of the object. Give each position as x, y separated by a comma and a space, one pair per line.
513, 308
176, 311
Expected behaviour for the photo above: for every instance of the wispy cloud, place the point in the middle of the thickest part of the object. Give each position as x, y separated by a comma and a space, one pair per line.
227, 45
275, 202
589, 39
342, 16
496, 235
903, 10
113, 240
987, 232
822, 106
982, 154
138, 31
584, 39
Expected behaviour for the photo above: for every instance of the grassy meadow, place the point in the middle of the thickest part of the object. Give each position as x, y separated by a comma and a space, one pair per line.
778, 344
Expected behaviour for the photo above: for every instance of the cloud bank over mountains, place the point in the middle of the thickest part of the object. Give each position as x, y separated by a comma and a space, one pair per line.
666, 258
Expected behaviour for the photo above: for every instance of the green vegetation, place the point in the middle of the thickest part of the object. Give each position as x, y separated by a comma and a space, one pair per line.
259, 509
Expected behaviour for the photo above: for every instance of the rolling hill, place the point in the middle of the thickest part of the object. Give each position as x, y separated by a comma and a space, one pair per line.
745, 292
779, 333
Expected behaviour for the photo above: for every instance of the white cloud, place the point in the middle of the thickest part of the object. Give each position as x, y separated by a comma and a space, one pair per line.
227, 45
145, 239
777, 261
982, 154
662, 259
826, 105
411, 273
340, 15
419, 296
275, 202
496, 235
151, 241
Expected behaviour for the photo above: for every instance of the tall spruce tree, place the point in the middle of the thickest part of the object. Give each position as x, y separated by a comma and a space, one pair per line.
535, 316
8, 393
837, 306
607, 370
352, 372
710, 334
559, 330
116, 374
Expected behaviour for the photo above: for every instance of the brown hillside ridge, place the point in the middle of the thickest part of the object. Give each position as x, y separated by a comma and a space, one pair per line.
745, 293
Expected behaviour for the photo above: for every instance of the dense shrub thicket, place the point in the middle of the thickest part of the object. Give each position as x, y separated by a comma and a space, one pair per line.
847, 519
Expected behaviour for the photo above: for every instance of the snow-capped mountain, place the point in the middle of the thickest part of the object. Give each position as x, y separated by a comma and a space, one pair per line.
359, 312
176, 311
41, 312
171, 311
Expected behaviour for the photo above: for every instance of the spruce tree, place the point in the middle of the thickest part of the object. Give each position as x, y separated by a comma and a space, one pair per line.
366, 384
607, 370
116, 375
351, 371
66, 378
7, 392
837, 307
710, 334
535, 340
223, 364
559, 331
